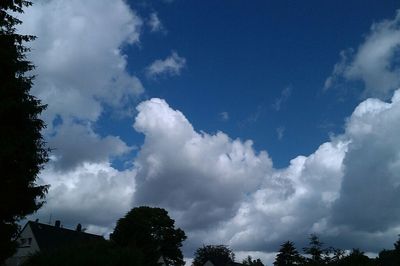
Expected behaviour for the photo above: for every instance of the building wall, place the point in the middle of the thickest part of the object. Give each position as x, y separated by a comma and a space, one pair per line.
28, 246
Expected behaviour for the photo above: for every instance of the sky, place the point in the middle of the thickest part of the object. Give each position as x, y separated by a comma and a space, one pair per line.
252, 123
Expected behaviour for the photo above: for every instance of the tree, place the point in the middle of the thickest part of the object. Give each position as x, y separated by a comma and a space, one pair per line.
337, 255
151, 231
315, 250
217, 254
288, 255
23, 152
390, 257
356, 258
250, 262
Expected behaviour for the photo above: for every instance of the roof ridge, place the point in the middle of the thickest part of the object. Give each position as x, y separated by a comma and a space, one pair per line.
62, 228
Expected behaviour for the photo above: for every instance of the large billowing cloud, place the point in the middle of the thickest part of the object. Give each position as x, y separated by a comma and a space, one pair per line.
221, 190
201, 177
371, 184
375, 62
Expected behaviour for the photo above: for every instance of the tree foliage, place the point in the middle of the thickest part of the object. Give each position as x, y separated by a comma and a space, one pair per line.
356, 258
23, 151
315, 251
390, 257
250, 262
217, 254
151, 231
288, 255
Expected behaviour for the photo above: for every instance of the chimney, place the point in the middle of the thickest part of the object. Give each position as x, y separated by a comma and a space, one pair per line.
79, 228
58, 223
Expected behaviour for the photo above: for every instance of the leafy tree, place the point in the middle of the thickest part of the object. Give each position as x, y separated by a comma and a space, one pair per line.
288, 255
356, 258
337, 255
390, 257
217, 254
23, 151
151, 231
250, 262
315, 251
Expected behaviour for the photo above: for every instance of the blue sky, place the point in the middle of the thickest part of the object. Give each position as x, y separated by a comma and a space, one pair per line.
241, 57
251, 123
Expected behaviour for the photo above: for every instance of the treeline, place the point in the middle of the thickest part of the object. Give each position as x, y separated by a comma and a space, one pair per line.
317, 255
147, 236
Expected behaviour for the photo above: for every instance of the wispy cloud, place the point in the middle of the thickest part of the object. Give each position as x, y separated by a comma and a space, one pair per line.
155, 23
170, 66
285, 94
374, 62
224, 116
280, 131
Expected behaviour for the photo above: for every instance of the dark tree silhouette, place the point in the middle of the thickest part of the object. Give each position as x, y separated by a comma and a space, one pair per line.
23, 151
315, 251
288, 255
337, 255
153, 232
250, 262
217, 254
356, 258
390, 257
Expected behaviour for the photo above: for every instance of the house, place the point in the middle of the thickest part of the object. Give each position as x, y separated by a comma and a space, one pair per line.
210, 263
36, 237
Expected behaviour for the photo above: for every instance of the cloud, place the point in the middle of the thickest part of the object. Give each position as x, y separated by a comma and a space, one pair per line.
75, 144
224, 116
372, 168
93, 194
221, 190
190, 172
279, 132
374, 63
80, 70
170, 66
285, 94
79, 58
155, 23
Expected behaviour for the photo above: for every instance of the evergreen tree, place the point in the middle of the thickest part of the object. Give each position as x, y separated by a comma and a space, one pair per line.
23, 151
315, 251
288, 255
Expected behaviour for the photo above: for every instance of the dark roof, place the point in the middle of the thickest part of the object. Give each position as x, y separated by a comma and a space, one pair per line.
219, 263
50, 237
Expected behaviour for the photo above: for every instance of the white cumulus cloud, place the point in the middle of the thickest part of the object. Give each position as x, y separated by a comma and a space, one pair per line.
80, 64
